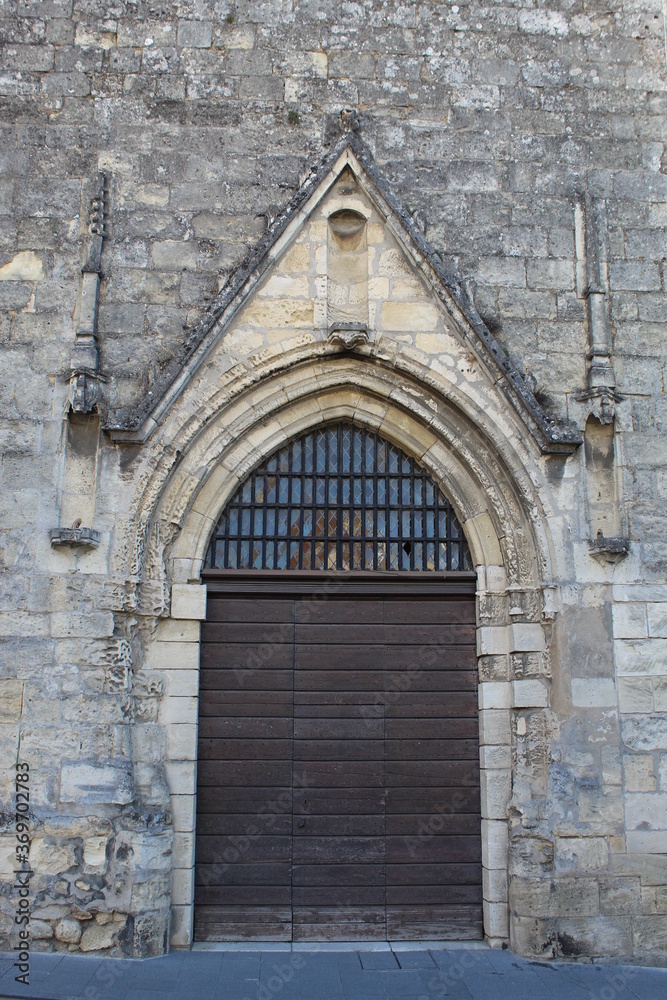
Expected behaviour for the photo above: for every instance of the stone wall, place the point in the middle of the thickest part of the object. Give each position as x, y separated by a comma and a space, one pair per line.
498, 126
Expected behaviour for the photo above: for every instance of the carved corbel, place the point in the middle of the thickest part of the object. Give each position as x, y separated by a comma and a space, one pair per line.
349, 335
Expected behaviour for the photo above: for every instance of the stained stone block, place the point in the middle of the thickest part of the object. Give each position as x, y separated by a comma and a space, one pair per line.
96, 782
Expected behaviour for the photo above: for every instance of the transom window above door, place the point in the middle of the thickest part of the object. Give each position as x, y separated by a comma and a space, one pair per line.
339, 498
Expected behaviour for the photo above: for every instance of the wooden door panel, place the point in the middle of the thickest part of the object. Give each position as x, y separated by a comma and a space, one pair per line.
338, 777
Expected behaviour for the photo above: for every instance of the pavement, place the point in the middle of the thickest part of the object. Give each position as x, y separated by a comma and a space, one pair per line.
400, 974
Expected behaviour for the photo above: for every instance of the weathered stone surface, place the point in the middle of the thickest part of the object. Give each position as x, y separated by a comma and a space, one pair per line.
98, 938
206, 122
68, 931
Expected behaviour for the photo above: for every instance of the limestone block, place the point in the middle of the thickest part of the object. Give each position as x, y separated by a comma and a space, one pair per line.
40, 930
177, 630
94, 851
188, 600
495, 757
88, 783
651, 868
494, 695
496, 789
492, 640
68, 624
593, 692
181, 926
182, 683
176, 656
650, 934
183, 813
494, 885
653, 899
409, 316
657, 619
639, 656
285, 313
646, 841
7, 856
525, 637
24, 266
11, 699
494, 726
660, 694
494, 843
182, 741
151, 893
68, 931
181, 777
629, 621
648, 732
635, 694
141, 851
530, 694
150, 934
483, 540
604, 936
183, 882
531, 857
179, 710
639, 772
98, 938
52, 859
495, 919
493, 668
620, 896
531, 936
184, 850
646, 811
582, 853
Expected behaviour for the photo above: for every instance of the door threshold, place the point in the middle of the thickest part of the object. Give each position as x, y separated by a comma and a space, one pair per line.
339, 945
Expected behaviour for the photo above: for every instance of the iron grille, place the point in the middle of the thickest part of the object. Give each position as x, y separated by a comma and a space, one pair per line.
339, 498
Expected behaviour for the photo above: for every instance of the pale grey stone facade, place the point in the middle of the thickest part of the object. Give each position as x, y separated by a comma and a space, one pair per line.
154, 147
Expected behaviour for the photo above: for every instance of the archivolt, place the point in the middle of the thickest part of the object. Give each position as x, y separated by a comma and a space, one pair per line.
204, 453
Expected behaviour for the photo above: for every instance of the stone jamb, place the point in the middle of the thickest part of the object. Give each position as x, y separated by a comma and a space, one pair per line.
175, 648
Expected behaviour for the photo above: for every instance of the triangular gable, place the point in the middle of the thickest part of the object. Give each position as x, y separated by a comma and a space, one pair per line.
137, 422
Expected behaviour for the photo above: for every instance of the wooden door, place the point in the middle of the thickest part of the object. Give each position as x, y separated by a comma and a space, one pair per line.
338, 781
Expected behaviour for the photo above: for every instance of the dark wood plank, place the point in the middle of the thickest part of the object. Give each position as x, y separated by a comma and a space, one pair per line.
346, 728
432, 729
444, 749
435, 874
411, 800
254, 633
243, 874
338, 611
217, 850
347, 874
353, 750
247, 825
357, 825
338, 850
244, 610
435, 849
244, 773
432, 773
266, 728
244, 750
255, 800
438, 611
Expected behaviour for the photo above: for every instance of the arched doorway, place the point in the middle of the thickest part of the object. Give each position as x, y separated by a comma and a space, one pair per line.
338, 791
